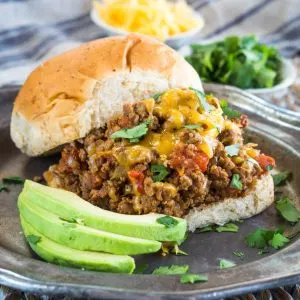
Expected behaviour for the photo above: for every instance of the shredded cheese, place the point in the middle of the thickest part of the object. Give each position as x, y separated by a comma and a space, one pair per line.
158, 18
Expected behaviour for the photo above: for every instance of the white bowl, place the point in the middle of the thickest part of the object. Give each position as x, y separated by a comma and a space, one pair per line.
288, 75
175, 41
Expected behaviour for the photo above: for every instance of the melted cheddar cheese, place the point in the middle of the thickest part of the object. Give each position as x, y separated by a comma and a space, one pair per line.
177, 107
181, 107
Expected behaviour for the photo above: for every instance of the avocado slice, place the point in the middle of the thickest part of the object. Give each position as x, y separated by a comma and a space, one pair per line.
64, 256
81, 237
68, 205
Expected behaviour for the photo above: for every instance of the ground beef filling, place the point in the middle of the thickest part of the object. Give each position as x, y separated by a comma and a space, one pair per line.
105, 171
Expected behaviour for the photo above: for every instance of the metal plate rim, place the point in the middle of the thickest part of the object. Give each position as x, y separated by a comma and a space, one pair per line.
10, 277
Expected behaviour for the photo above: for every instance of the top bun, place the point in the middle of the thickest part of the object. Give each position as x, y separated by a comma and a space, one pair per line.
70, 94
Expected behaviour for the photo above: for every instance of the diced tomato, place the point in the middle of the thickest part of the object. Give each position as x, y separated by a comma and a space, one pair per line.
138, 179
188, 160
265, 161
202, 161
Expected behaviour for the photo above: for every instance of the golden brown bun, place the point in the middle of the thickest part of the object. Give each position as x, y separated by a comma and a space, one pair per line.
67, 96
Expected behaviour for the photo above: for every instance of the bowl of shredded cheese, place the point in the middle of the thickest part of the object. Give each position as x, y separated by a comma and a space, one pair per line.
173, 22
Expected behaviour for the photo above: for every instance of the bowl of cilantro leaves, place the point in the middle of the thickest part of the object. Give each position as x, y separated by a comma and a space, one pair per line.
243, 62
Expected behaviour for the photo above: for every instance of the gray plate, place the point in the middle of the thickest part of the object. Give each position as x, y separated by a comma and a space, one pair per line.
278, 135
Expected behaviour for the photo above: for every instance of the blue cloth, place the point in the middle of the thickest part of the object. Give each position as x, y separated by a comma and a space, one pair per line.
32, 31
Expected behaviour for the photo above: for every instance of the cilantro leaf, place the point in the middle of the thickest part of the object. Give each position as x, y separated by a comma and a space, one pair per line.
160, 172
225, 264
238, 253
269, 167
192, 278
205, 229
236, 182
229, 227
281, 177
262, 238
231, 113
156, 96
167, 221
134, 133
257, 239
171, 270
233, 150
141, 269
33, 239
287, 210
192, 126
13, 179
3, 187
278, 240
203, 102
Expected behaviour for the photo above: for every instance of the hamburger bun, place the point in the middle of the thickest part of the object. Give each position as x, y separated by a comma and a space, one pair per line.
68, 95
234, 209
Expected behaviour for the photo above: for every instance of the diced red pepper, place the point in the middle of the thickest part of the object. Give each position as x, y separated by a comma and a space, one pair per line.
265, 161
138, 179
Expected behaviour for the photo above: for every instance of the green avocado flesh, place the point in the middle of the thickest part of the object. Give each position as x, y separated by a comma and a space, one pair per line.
62, 255
68, 205
80, 237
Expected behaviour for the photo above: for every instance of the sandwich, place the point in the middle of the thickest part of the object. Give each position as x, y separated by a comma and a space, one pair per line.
138, 135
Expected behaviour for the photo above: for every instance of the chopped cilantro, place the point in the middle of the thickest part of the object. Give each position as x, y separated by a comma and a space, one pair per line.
192, 278
33, 239
70, 220
257, 239
141, 269
287, 210
192, 126
269, 167
279, 240
167, 221
229, 112
225, 264
233, 150
240, 61
3, 187
156, 96
171, 270
281, 177
262, 238
160, 172
203, 102
205, 229
132, 134
239, 254
229, 227
13, 179
236, 182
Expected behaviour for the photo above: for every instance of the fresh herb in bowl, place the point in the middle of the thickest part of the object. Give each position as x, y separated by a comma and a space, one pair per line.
238, 61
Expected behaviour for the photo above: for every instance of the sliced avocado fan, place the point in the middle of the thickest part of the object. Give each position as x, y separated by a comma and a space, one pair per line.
81, 237
62, 255
69, 206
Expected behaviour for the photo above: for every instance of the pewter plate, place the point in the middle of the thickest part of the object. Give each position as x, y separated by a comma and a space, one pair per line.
277, 133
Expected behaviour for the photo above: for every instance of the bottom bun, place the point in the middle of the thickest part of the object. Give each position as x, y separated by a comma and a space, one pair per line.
234, 209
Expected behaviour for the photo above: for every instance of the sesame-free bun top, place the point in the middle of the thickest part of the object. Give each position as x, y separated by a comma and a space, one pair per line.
70, 94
